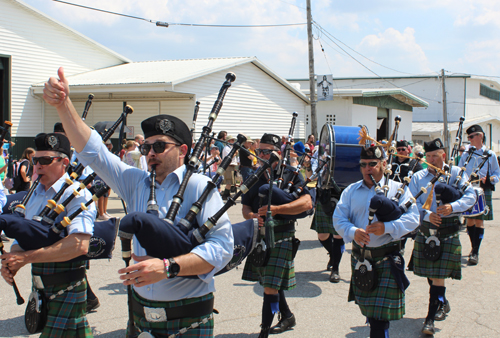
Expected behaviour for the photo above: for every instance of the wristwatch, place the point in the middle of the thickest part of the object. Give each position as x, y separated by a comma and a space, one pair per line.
172, 269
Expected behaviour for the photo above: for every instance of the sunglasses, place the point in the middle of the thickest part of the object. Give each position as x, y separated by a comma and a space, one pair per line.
158, 147
372, 164
44, 160
401, 149
263, 151
470, 137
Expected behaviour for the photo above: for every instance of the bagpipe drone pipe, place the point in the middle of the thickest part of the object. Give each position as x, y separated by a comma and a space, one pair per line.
160, 239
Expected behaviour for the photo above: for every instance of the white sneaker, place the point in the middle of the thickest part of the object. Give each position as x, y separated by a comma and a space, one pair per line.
102, 218
108, 215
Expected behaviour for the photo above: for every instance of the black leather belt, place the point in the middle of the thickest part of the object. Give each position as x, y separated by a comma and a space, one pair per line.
372, 253
193, 310
58, 278
441, 232
290, 226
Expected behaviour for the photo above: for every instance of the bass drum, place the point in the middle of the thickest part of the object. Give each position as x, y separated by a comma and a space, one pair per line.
341, 144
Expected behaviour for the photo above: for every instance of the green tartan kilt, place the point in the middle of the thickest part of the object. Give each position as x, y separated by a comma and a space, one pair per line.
279, 273
165, 329
448, 265
385, 301
489, 202
322, 223
66, 312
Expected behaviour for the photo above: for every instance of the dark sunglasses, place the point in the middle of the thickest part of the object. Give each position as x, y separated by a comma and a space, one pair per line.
372, 164
472, 136
263, 151
402, 149
44, 160
158, 147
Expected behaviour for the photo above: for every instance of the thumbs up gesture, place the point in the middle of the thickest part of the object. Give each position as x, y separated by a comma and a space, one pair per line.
56, 90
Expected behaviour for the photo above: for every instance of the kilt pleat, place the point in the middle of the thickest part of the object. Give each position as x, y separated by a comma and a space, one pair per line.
66, 312
385, 301
165, 329
448, 265
279, 273
322, 223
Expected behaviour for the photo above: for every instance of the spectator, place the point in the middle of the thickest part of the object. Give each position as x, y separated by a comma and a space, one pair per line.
132, 155
221, 137
310, 142
229, 179
25, 169
246, 160
139, 139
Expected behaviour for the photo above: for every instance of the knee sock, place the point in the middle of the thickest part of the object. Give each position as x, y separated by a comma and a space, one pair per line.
269, 308
338, 249
479, 237
284, 309
436, 292
90, 293
471, 231
328, 245
378, 328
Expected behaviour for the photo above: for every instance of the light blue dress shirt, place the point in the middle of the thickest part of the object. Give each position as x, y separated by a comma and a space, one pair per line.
474, 162
423, 177
82, 224
133, 185
3, 198
351, 213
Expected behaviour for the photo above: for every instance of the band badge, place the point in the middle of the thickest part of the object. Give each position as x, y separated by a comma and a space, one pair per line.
96, 247
52, 141
438, 144
165, 126
473, 129
378, 153
155, 314
276, 140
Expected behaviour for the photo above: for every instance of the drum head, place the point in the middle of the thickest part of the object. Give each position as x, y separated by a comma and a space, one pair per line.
326, 149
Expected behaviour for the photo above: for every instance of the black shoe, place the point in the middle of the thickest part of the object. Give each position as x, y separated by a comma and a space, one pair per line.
92, 304
283, 325
429, 327
329, 266
233, 189
4, 238
473, 259
225, 195
334, 277
264, 332
443, 310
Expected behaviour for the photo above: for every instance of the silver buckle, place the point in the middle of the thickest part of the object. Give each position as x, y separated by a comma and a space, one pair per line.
37, 282
155, 314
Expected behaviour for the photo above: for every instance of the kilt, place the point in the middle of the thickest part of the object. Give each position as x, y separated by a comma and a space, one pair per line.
66, 312
386, 301
279, 273
448, 265
229, 175
489, 202
322, 223
164, 329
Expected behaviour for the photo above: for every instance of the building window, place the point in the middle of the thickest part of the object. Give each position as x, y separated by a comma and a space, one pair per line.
331, 119
490, 93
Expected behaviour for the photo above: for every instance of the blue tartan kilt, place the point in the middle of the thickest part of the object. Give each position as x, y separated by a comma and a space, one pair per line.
322, 223
448, 265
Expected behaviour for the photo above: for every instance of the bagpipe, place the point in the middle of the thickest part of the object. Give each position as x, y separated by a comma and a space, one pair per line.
41, 231
457, 144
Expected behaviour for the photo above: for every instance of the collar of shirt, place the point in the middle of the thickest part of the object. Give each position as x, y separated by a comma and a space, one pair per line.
177, 174
40, 189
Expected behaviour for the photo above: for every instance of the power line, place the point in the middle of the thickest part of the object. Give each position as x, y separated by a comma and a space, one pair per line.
166, 24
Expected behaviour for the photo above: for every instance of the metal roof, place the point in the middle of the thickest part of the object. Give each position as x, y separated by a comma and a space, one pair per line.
425, 128
72, 31
167, 73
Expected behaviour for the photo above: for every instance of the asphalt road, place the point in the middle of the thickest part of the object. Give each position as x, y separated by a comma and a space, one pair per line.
320, 307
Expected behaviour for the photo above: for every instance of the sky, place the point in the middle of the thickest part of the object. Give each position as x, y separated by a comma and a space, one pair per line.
376, 38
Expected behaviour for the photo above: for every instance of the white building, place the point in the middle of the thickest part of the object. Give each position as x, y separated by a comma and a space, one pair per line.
476, 98
259, 101
32, 47
375, 108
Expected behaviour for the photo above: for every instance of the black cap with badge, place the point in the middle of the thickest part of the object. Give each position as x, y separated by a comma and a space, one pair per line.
271, 139
372, 153
433, 145
167, 125
54, 142
476, 128
402, 143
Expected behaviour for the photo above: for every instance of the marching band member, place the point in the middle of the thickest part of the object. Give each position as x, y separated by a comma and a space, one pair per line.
384, 302
437, 255
401, 166
162, 297
489, 176
51, 267
278, 274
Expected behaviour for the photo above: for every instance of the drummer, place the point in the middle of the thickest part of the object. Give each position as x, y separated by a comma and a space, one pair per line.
489, 176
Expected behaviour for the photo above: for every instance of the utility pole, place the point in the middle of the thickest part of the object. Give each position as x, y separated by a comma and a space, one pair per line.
312, 82
445, 118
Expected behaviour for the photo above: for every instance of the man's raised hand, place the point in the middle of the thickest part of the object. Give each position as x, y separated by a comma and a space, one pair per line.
56, 90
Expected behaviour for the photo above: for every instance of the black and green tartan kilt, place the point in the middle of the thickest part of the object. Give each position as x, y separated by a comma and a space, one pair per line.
66, 312
279, 273
448, 265
489, 202
322, 223
165, 329
385, 301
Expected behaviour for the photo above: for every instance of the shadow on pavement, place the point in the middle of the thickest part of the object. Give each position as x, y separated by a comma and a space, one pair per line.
13, 327
112, 334
116, 288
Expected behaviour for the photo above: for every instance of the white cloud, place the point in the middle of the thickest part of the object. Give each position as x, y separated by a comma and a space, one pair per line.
483, 55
